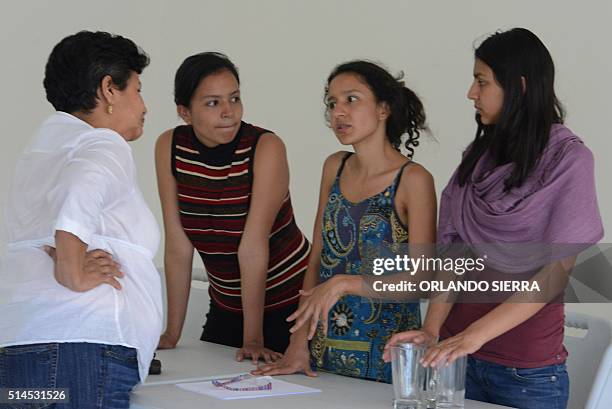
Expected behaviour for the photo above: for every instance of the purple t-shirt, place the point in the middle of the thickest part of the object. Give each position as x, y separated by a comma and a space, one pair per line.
535, 343
555, 206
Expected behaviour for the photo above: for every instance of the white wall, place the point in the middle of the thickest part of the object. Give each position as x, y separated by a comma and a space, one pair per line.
285, 50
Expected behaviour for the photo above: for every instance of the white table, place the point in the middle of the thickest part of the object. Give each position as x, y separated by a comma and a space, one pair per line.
194, 360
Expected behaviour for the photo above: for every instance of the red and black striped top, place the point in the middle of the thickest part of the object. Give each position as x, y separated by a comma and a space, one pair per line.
214, 192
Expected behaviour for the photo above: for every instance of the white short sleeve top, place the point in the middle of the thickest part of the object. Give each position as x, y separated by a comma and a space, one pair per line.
82, 180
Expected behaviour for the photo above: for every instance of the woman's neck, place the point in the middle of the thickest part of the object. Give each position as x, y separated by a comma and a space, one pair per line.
374, 156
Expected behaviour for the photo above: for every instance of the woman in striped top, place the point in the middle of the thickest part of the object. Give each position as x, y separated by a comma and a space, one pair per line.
233, 206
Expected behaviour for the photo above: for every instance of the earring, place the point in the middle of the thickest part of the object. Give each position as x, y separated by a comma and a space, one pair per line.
109, 109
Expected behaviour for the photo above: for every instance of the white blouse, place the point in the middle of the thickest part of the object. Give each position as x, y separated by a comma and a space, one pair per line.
81, 180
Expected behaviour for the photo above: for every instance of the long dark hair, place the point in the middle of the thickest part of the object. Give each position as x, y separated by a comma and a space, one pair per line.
407, 114
520, 134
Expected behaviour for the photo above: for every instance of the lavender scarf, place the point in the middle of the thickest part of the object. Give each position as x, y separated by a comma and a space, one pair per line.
553, 215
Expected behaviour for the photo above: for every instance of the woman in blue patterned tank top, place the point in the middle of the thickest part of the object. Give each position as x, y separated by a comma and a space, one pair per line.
371, 201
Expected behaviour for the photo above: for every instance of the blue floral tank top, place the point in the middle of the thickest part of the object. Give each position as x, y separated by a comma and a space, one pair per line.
358, 328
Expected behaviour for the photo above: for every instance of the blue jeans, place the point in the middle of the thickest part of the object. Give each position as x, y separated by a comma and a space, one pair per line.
96, 375
546, 387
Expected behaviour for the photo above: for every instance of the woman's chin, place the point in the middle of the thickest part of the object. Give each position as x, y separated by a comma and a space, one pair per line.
345, 139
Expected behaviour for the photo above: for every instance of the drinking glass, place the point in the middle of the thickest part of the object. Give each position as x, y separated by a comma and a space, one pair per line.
445, 385
408, 375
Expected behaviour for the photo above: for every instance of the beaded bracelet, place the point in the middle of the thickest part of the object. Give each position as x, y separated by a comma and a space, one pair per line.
224, 384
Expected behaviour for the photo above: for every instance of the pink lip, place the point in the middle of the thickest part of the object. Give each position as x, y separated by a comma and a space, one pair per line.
342, 128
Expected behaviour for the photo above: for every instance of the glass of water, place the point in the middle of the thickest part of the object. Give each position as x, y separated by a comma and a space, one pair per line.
445, 385
408, 375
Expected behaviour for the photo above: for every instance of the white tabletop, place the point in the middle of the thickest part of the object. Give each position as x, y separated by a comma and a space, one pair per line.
195, 360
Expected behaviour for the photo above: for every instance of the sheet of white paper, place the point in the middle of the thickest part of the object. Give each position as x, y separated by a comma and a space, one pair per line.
279, 388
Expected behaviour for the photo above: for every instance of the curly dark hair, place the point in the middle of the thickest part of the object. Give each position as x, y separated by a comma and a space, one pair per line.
407, 114
78, 63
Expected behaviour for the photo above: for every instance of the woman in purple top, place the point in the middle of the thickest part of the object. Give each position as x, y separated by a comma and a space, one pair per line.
525, 179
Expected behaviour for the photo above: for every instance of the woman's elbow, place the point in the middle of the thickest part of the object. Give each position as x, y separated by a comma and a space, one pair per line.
252, 252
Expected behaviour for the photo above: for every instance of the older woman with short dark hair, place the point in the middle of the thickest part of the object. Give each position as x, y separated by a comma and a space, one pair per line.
76, 320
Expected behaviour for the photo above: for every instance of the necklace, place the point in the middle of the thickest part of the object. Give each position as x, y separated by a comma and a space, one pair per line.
254, 385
